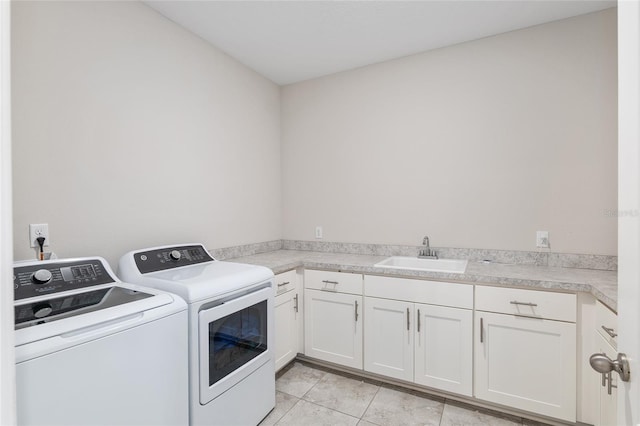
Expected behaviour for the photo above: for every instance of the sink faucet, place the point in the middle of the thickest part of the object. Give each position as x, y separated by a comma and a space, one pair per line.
426, 252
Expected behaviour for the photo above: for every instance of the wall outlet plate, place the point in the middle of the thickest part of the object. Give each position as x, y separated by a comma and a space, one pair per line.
39, 230
319, 232
542, 239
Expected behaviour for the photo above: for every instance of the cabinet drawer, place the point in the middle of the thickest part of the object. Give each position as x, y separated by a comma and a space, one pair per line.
285, 281
607, 319
338, 282
530, 303
420, 291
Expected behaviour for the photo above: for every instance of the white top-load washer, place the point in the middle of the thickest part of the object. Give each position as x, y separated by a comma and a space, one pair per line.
92, 350
231, 361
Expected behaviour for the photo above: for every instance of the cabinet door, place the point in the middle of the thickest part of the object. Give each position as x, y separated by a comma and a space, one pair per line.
526, 363
333, 327
388, 337
444, 348
607, 407
286, 328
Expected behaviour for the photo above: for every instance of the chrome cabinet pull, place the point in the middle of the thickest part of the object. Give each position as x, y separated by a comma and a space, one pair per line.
330, 282
610, 331
295, 306
610, 384
515, 302
283, 284
356, 311
418, 320
481, 331
407, 319
607, 382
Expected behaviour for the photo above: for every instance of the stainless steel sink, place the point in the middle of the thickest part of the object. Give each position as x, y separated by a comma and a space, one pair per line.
455, 266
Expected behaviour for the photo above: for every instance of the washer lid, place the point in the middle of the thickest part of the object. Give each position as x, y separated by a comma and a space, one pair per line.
102, 320
205, 280
73, 304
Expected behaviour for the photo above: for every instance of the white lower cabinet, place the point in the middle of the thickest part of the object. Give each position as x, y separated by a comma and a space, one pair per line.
606, 342
607, 399
426, 344
333, 320
526, 362
511, 347
388, 339
444, 348
287, 318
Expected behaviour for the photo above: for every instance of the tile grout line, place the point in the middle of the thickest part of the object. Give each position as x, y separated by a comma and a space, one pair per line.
287, 412
331, 409
369, 405
300, 398
347, 378
324, 374
320, 405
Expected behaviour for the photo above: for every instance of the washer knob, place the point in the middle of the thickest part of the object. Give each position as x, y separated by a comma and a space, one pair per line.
175, 255
41, 276
42, 310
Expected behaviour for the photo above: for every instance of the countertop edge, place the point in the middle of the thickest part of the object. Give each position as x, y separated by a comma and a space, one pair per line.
302, 261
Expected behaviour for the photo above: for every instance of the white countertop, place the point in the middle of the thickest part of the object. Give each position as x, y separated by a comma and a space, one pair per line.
601, 284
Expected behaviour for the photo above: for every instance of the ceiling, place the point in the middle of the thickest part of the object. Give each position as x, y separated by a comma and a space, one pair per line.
291, 41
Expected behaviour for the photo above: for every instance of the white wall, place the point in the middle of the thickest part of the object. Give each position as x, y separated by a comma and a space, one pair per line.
130, 131
477, 145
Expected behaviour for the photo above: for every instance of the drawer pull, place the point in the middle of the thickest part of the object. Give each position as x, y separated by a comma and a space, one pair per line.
407, 319
610, 331
515, 302
283, 284
330, 282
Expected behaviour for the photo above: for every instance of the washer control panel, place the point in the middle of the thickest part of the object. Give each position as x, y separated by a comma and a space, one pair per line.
170, 257
55, 277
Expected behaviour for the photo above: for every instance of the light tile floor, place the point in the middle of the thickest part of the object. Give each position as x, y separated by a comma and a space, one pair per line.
313, 396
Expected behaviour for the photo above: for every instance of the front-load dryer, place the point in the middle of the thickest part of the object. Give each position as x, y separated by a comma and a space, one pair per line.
231, 353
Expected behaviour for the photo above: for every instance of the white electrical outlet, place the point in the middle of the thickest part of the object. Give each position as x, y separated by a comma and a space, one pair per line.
319, 232
39, 230
542, 239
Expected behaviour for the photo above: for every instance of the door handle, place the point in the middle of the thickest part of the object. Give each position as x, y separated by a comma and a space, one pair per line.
481, 331
356, 311
418, 320
605, 365
295, 306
